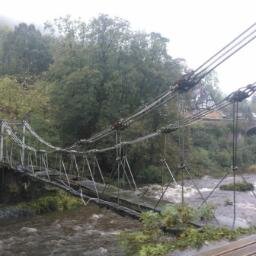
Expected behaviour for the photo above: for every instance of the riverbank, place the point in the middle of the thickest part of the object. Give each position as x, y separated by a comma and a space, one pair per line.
54, 200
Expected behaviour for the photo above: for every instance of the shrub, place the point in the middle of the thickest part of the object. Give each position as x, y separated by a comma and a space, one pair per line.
154, 250
151, 223
59, 201
176, 215
252, 168
243, 186
152, 174
206, 212
146, 243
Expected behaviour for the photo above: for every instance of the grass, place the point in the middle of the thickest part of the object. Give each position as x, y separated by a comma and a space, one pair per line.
242, 186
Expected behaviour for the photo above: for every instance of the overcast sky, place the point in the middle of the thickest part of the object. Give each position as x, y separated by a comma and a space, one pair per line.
196, 28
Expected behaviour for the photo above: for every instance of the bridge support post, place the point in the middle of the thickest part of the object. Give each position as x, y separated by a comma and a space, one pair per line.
23, 144
2, 142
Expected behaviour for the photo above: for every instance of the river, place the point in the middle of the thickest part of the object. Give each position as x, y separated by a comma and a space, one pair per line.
89, 231
220, 199
94, 231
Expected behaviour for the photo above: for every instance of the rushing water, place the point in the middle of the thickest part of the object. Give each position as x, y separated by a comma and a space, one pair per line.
89, 231
222, 200
93, 231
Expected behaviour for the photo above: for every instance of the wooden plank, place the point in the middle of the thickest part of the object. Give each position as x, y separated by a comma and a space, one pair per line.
242, 247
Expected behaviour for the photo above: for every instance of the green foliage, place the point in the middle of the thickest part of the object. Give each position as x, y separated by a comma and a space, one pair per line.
242, 186
25, 51
177, 215
152, 241
150, 174
103, 71
170, 216
31, 104
211, 150
57, 202
182, 215
206, 212
252, 168
154, 250
151, 223
18, 103
133, 241
146, 243
197, 237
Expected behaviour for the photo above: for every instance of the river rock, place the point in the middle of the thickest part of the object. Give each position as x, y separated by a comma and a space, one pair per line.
58, 226
77, 228
99, 252
96, 216
28, 230
30, 244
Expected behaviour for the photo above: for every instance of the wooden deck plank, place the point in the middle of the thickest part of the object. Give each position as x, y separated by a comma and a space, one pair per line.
242, 247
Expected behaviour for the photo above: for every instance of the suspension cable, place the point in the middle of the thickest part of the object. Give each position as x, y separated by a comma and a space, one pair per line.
186, 82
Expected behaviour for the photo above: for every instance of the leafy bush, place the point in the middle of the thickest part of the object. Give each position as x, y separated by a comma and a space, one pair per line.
200, 159
222, 157
132, 242
150, 241
58, 202
252, 168
151, 174
197, 237
177, 215
206, 212
151, 223
154, 250
170, 216
243, 186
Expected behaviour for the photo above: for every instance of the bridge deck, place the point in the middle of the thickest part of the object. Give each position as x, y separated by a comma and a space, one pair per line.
129, 198
132, 200
243, 247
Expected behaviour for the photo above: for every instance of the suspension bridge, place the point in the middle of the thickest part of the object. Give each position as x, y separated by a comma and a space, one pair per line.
78, 168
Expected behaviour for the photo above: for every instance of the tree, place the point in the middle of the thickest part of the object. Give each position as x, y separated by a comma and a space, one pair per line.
4, 30
25, 51
106, 64
207, 94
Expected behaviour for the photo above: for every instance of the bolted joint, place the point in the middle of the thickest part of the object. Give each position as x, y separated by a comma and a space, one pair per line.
185, 85
186, 82
234, 168
162, 160
118, 159
119, 125
237, 96
166, 130
182, 166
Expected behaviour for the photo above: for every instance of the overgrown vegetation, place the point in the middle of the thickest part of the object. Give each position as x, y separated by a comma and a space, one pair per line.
151, 240
242, 186
55, 201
